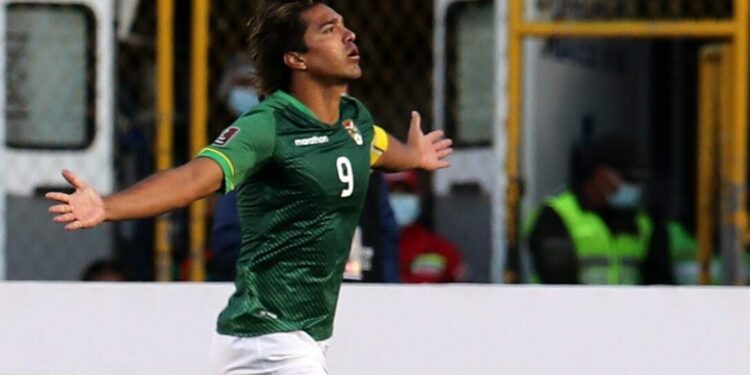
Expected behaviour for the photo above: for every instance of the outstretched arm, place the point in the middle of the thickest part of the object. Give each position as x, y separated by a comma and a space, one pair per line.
424, 151
159, 193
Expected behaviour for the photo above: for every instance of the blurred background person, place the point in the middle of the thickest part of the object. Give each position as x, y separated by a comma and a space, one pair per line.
596, 231
236, 90
425, 256
374, 257
105, 270
224, 239
237, 94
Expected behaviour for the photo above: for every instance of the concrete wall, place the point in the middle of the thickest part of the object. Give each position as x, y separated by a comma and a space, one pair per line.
134, 329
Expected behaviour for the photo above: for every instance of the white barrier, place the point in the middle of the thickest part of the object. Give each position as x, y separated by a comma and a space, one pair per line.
139, 329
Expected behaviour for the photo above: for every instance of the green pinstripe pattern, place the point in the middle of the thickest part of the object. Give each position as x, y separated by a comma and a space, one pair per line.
296, 226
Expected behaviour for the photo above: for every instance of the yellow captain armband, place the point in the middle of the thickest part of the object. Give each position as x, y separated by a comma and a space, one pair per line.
379, 144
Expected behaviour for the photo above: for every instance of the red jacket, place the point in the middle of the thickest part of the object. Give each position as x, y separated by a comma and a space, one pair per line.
426, 257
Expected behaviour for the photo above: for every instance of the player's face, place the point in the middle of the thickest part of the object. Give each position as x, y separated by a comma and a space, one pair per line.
331, 53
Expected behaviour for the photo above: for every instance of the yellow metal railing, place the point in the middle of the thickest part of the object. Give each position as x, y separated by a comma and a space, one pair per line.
164, 127
629, 29
734, 31
198, 125
714, 97
736, 193
515, 72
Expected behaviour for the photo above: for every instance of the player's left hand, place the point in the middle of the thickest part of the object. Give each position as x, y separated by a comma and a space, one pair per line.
431, 149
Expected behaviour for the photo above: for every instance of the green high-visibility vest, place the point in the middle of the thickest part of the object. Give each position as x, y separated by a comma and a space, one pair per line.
603, 257
683, 251
684, 254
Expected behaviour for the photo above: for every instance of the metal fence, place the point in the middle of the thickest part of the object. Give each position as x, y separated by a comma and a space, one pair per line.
395, 40
631, 9
136, 93
151, 104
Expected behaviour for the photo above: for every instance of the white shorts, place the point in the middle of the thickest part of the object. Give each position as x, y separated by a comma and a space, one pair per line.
291, 353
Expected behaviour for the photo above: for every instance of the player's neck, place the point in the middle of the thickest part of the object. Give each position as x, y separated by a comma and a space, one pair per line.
323, 100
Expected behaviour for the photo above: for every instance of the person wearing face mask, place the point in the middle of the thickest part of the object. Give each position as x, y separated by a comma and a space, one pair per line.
425, 256
236, 88
596, 232
241, 99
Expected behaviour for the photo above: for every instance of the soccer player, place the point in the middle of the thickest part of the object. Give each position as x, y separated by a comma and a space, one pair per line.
300, 163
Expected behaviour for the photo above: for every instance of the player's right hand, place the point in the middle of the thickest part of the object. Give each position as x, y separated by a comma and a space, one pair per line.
82, 209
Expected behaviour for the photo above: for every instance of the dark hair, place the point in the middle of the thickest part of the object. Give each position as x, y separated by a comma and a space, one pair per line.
99, 267
620, 151
275, 29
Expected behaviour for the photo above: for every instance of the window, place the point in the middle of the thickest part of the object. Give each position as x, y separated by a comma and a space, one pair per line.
471, 44
50, 76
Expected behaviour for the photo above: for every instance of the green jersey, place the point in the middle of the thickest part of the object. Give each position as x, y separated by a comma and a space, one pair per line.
300, 186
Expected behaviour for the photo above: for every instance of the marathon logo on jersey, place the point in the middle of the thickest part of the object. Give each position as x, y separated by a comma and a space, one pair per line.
311, 141
353, 132
226, 136
266, 315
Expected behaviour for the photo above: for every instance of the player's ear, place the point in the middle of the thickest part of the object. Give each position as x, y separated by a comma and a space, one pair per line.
295, 60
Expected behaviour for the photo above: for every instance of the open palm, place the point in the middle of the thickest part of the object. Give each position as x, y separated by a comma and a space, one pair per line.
84, 208
432, 148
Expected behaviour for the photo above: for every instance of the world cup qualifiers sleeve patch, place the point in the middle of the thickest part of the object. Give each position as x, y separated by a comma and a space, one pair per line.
226, 136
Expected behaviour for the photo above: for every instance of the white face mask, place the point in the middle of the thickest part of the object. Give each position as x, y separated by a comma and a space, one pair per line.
405, 208
626, 197
241, 99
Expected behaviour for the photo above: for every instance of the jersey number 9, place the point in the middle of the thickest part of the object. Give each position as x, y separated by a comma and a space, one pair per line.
346, 175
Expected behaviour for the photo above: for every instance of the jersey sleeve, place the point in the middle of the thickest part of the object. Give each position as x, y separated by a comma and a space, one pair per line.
243, 148
379, 144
